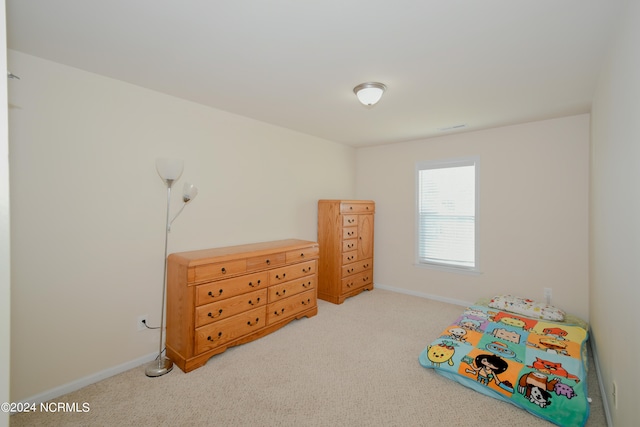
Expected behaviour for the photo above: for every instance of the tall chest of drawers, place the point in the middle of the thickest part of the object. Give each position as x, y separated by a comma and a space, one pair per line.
222, 297
345, 235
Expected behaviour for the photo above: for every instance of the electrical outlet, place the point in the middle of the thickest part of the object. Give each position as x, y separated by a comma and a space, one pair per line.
547, 295
141, 322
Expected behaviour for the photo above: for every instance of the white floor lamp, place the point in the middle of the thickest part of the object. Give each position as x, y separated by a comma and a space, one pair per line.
170, 171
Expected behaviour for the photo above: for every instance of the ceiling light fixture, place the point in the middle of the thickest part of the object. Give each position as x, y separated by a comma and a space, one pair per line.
369, 93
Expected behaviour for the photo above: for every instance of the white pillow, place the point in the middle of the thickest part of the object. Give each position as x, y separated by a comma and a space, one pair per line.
527, 307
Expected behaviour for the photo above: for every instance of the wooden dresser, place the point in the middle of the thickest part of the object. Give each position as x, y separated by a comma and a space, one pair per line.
222, 297
345, 235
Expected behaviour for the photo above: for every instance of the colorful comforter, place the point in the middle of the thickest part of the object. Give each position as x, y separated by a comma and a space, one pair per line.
538, 365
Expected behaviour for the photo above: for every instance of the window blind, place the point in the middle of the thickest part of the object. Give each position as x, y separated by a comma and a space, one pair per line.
447, 214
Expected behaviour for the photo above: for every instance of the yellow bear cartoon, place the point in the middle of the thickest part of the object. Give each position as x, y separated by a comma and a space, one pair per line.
440, 353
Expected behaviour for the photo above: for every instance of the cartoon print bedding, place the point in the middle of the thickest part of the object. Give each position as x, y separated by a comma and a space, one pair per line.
538, 365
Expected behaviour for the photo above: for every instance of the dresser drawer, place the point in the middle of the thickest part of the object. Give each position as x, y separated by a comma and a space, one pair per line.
357, 281
349, 220
219, 270
349, 233
290, 306
225, 308
216, 291
224, 331
303, 254
284, 274
349, 245
265, 261
349, 257
357, 267
292, 287
347, 207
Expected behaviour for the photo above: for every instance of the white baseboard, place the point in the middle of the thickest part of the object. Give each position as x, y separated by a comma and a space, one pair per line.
603, 392
90, 379
423, 295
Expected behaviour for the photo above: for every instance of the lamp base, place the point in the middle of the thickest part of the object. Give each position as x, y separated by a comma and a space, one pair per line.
159, 367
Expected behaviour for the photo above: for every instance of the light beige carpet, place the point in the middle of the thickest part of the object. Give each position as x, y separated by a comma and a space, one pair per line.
354, 364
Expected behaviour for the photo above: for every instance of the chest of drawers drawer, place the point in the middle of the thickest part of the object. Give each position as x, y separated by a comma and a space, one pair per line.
220, 270
219, 333
222, 289
350, 233
302, 254
357, 281
349, 245
265, 261
349, 220
357, 207
349, 257
290, 306
284, 274
292, 287
356, 267
228, 307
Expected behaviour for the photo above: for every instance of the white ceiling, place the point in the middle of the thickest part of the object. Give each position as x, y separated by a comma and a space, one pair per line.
294, 63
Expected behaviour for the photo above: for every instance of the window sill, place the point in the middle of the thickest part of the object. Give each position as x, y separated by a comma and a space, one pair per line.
466, 271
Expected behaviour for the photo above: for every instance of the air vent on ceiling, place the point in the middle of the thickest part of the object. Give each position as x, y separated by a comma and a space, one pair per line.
454, 127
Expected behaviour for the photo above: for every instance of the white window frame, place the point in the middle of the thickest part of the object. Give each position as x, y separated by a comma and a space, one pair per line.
439, 164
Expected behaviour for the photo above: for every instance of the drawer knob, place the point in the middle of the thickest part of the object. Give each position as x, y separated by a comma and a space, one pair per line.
284, 291
307, 303
306, 270
213, 296
224, 270
256, 285
278, 313
268, 262
251, 302
213, 316
306, 285
215, 338
255, 323
302, 255
283, 276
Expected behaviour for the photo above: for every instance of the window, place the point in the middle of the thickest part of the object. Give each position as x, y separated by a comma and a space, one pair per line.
447, 213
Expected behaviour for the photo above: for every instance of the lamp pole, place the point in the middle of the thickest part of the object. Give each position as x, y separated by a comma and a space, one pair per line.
162, 365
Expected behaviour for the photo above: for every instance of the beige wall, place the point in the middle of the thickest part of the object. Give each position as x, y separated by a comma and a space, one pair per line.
5, 288
615, 221
88, 209
533, 212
